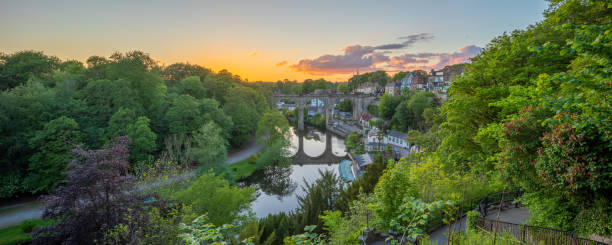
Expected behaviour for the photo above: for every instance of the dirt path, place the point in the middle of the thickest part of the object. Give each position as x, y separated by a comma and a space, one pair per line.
16, 213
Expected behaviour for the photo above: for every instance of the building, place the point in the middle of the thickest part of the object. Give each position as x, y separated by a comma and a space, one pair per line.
413, 81
362, 161
316, 103
393, 88
368, 88
365, 119
396, 138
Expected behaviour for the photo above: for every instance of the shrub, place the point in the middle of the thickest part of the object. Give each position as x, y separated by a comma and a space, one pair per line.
472, 220
27, 226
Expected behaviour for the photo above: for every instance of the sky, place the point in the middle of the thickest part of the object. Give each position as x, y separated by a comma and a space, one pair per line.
266, 40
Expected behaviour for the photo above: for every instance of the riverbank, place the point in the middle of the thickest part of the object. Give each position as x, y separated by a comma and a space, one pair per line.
15, 213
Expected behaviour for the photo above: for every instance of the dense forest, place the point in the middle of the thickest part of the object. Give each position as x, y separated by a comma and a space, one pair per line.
50, 106
531, 113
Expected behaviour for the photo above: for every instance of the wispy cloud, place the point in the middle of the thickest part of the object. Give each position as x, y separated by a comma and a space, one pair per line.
369, 58
253, 54
281, 63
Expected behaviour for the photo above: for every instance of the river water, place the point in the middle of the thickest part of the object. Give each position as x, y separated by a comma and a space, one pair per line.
278, 188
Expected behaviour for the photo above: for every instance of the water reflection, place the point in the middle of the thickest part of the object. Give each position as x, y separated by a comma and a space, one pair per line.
278, 187
314, 142
273, 181
276, 200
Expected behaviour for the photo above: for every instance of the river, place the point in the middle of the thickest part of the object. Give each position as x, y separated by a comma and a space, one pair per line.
278, 188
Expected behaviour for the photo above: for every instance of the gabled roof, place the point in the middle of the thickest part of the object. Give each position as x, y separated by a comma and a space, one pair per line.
363, 160
397, 134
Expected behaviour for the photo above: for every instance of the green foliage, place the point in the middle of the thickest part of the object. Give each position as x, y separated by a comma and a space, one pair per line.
53, 143
184, 115
143, 141
346, 229
280, 225
19, 234
153, 227
192, 86
202, 232
412, 218
208, 145
309, 237
344, 88
352, 140
274, 126
253, 233
409, 114
17, 68
27, 226
363, 185
321, 196
213, 195
472, 220
119, 123
387, 106
345, 106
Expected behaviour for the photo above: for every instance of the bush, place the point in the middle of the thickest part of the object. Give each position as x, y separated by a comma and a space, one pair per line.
472, 220
27, 226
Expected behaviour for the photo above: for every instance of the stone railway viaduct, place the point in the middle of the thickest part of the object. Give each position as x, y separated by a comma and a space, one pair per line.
360, 105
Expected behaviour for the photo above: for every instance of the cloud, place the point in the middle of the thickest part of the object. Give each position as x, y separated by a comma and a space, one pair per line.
355, 57
281, 63
411, 39
370, 58
464, 55
253, 54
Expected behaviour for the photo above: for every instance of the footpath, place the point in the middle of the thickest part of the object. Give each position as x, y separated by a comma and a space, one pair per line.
16, 213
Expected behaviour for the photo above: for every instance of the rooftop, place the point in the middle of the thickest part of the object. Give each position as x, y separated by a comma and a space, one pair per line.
397, 134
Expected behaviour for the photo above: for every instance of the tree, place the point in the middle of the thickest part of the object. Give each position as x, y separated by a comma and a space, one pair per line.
52, 143
208, 145
179, 71
344, 88
321, 196
143, 141
95, 197
192, 86
213, 195
184, 115
274, 126
119, 123
387, 106
21, 66
243, 117
345, 106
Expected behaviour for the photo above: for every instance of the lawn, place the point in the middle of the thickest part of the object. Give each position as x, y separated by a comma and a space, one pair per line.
243, 168
15, 235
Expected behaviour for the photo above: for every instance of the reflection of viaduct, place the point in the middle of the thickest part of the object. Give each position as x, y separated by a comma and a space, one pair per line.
327, 157
360, 104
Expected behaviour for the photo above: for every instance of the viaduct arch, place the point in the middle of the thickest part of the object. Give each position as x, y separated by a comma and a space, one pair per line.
360, 104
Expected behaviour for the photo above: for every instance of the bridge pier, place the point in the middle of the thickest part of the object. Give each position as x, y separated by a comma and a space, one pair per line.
300, 117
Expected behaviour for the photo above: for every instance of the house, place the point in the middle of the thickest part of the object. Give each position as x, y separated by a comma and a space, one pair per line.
367, 88
316, 103
396, 138
413, 81
365, 119
393, 88
362, 161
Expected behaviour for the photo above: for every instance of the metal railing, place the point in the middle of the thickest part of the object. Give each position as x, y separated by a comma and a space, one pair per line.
534, 234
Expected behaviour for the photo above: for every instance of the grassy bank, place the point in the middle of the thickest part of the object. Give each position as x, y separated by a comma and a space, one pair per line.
20, 234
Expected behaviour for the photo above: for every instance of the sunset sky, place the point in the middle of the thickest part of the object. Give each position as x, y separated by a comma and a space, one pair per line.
268, 40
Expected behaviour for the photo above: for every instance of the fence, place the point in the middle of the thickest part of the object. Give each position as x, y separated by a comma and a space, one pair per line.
482, 204
533, 234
